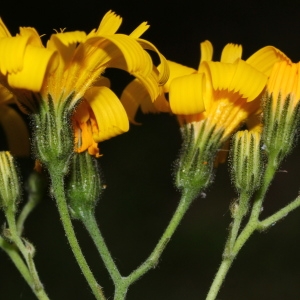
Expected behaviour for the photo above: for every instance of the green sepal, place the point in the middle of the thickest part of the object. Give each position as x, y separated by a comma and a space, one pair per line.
197, 155
53, 139
83, 185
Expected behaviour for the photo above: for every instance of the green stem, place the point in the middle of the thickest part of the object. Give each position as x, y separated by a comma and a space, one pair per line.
238, 217
270, 221
237, 241
27, 209
27, 251
14, 255
59, 194
90, 224
153, 259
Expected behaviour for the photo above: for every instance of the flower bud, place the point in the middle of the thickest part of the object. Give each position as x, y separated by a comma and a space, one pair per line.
83, 185
246, 161
53, 139
10, 190
281, 111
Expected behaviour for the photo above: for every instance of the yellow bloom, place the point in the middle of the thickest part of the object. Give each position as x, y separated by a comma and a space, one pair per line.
69, 69
224, 93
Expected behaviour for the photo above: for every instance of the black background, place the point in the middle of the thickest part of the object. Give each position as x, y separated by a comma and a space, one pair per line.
137, 167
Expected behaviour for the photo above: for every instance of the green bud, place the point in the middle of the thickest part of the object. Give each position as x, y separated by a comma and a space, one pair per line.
246, 161
83, 185
195, 164
10, 190
53, 139
281, 118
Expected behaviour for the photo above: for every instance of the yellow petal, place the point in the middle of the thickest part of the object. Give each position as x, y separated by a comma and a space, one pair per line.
231, 53
109, 24
220, 74
3, 30
12, 51
15, 131
109, 113
265, 58
163, 67
239, 77
117, 51
206, 50
285, 80
248, 81
176, 70
133, 96
139, 30
34, 38
186, 94
65, 43
35, 65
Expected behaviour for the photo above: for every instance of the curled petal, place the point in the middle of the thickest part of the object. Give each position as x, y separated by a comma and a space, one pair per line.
163, 67
285, 80
135, 95
35, 65
12, 50
247, 81
176, 70
186, 94
239, 77
231, 53
34, 38
265, 58
109, 113
206, 49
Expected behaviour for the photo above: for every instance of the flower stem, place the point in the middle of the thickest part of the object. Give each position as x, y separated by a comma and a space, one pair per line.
14, 255
90, 224
236, 242
59, 194
270, 221
27, 209
152, 260
27, 251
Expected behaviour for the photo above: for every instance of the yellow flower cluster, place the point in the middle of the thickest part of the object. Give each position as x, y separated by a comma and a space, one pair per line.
71, 66
224, 93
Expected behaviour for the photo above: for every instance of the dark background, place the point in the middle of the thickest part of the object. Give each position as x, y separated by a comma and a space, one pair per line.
137, 167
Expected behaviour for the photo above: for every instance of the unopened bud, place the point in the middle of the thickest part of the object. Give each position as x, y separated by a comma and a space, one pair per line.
10, 190
246, 161
83, 185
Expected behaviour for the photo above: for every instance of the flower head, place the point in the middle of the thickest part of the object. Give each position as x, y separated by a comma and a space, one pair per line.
224, 93
69, 69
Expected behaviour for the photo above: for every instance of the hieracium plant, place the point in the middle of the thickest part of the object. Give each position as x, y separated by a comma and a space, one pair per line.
247, 107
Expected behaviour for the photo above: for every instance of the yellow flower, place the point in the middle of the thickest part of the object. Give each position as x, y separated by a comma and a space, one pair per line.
69, 69
224, 93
